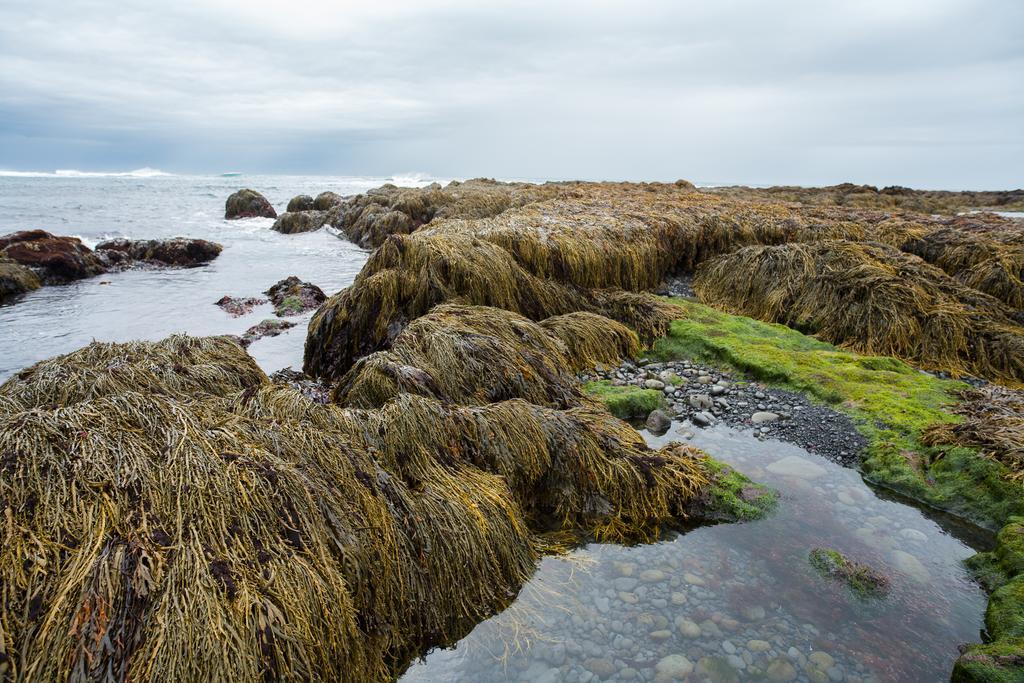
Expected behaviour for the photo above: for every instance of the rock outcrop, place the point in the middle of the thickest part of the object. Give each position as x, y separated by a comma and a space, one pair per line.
302, 202
55, 259
248, 204
179, 252
15, 279
292, 296
299, 221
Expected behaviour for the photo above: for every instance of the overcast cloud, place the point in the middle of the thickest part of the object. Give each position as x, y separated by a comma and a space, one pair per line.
919, 92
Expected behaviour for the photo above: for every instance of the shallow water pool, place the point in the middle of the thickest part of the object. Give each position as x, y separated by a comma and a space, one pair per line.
736, 602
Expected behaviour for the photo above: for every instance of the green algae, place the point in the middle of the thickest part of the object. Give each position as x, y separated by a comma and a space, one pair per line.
625, 402
891, 402
863, 581
733, 497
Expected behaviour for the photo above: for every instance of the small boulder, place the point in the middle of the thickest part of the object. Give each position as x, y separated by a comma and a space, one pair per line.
861, 579
15, 279
763, 417
303, 202
238, 306
292, 296
299, 221
265, 328
248, 204
658, 422
326, 201
177, 252
701, 402
55, 259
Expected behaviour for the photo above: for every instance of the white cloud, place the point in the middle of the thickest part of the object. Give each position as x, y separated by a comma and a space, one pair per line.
916, 92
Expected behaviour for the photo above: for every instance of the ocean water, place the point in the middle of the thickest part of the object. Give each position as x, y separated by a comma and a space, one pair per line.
153, 304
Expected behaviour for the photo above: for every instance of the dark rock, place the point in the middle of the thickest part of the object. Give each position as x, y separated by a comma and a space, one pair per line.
179, 251
265, 328
658, 422
292, 296
299, 221
862, 580
55, 259
303, 202
326, 200
237, 306
248, 204
15, 279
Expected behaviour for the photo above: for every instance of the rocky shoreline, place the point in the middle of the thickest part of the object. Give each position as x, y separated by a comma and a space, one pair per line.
703, 396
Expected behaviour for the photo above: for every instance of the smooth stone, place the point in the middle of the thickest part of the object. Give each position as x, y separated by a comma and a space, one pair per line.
728, 647
689, 629
602, 667
652, 575
780, 671
717, 670
736, 662
913, 535
678, 598
693, 579
654, 384
845, 498
911, 566
703, 419
625, 583
700, 402
628, 598
822, 660
660, 635
672, 668
795, 466
758, 645
755, 613
763, 417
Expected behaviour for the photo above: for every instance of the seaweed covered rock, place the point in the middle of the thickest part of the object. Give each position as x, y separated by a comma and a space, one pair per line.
236, 306
15, 279
295, 222
863, 581
248, 204
55, 259
500, 356
327, 543
292, 296
265, 328
178, 251
326, 201
872, 298
302, 202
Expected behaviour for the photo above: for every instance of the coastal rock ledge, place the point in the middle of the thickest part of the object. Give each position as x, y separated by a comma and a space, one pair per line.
248, 203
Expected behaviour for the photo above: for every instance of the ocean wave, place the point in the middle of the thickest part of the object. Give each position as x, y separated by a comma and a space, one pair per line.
145, 172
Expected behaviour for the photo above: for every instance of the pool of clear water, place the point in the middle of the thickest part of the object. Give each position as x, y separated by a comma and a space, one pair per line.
735, 602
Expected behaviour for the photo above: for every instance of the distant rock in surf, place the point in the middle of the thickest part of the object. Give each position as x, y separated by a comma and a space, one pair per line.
179, 252
248, 204
302, 202
292, 296
300, 221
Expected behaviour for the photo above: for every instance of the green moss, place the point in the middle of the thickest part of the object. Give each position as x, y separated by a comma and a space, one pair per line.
891, 402
625, 402
863, 581
1004, 617
291, 305
733, 497
1001, 662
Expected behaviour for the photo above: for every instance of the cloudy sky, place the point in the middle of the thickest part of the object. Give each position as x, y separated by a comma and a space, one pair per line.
919, 92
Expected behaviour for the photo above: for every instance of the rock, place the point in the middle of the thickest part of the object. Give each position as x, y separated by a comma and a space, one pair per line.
672, 668
652, 576
237, 306
700, 402
660, 634
913, 535
16, 279
292, 296
602, 667
302, 202
327, 200
658, 422
703, 419
625, 583
294, 222
780, 671
911, 566
728, 647
178, 251
654, 384
795, 466
693, 579
862, 579
754, 613
54, 259
822, 660
266, 328
763, 417
717, 390
717, 670
689, 629
758, 645
248, 204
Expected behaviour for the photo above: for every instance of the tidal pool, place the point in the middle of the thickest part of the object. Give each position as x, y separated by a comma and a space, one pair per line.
736, 602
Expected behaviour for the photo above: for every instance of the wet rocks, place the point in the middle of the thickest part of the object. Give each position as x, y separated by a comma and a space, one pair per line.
672, 668
238, 306
55, 259
658, 422
292, 296
326, 201
302, 202
295, 222
182, 252
15, 279
265, 328
248, 204
311, 388
706, 396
